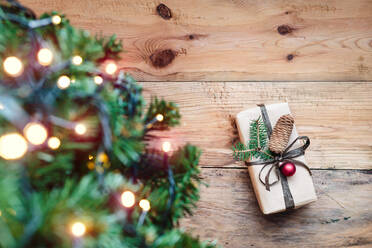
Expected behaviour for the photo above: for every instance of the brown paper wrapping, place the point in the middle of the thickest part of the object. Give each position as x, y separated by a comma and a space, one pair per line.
300, 184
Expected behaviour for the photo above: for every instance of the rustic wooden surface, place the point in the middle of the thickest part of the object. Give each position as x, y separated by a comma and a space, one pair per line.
340, 218
214, 40
273, 40
337, 116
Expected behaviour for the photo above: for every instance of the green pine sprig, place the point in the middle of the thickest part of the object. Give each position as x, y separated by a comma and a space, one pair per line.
257, 144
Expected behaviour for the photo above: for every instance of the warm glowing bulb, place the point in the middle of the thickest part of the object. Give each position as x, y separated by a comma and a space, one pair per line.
63, 82
45, 56
54, 143
166, 146
13, 66
56, 19
98, 80
35, 133
12, 146
128, 199
80, 129
145, 205
78, 229
77, 60
111, 68
160, 117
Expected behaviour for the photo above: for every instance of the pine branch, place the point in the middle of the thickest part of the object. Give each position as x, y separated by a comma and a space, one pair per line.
169, 110
82, 179
242, 152
257, 144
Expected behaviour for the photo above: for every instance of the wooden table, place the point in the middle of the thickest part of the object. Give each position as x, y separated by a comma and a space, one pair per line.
216, 58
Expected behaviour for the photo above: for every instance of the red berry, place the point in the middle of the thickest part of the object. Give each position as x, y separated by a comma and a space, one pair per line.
288, 169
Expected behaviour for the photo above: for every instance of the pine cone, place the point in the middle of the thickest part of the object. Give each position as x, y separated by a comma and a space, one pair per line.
281, 133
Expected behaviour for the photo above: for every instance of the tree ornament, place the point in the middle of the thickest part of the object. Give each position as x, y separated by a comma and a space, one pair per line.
280, 136
288, 169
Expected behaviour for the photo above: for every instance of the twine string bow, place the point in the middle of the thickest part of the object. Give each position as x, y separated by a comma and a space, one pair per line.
286, 156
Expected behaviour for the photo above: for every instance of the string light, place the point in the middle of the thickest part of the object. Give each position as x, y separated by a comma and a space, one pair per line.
145, 205
35, 133
111, 68
54, 143
45, 57
102, 157
77, 60
128, 199
91, 165
56, 19
98, 80
80, 129
12, 146
166, 146
159, 117
13, 66
78, 229
63, 82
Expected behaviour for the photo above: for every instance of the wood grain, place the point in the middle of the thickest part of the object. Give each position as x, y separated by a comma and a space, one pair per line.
214, 40
342, 216
336, 116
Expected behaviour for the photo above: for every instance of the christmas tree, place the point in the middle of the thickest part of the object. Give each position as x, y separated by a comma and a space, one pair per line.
76, 169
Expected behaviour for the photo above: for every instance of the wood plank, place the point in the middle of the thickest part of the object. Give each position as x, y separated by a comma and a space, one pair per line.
213, 40
336, 116
342, 216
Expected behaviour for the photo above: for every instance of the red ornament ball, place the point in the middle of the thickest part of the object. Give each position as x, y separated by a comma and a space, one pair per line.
288, 169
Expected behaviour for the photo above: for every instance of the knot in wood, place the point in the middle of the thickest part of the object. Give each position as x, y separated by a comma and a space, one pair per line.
164, 11
284, 29
162, 58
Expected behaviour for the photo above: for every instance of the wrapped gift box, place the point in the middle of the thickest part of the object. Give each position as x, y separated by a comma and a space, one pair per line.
300, 184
